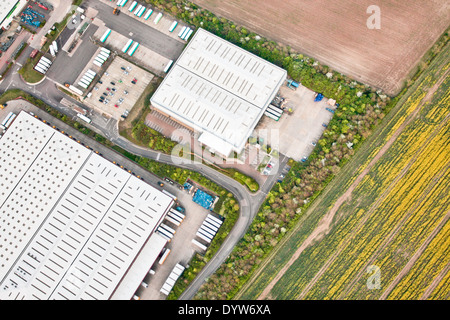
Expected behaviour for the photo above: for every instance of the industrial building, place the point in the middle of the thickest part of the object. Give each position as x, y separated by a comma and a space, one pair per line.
8, 10
73, 225
218, 90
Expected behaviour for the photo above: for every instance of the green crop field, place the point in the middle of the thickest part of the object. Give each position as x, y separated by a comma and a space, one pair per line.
386, 210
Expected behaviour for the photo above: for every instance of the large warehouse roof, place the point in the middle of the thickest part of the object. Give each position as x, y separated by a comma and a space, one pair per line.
72, 223
9, 8
218, 89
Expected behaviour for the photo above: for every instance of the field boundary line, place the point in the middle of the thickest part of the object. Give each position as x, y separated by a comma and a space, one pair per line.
414, 258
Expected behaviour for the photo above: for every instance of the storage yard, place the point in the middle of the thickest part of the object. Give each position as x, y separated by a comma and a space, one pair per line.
382, 58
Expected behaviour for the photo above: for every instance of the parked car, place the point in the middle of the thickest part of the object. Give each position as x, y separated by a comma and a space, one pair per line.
324, 125
331, 110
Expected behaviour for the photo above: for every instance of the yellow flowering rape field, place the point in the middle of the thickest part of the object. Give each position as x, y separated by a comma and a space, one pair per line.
390, 238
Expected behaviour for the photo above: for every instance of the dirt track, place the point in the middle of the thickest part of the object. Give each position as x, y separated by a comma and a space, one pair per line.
336, 33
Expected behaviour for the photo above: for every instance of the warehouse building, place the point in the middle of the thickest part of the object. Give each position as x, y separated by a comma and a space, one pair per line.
219, 90
72, 224
8, 10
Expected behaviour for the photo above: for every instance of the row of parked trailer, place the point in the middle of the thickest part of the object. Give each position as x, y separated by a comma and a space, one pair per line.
207, 231
273, 112
130, 47
101, 57
185, 33
139, 10
43, 65
8, 120
53, 49
87, 79
172, 278
176, 218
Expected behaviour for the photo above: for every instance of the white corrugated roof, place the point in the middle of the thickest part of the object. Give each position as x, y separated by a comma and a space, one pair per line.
218, 88
74, 222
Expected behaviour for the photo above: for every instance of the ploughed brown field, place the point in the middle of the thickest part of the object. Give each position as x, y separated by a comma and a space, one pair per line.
336, 34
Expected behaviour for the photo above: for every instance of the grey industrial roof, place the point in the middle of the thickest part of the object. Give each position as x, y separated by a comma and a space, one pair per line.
218, 89
73, 222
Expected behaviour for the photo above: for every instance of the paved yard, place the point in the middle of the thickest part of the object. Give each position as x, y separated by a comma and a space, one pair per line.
293, 134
